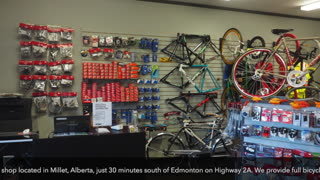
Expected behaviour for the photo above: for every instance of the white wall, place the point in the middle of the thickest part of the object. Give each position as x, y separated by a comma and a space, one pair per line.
125, 16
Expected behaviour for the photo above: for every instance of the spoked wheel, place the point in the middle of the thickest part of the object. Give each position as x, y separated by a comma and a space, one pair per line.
231, 44
293, 46
256, 42
259, 73
304, 93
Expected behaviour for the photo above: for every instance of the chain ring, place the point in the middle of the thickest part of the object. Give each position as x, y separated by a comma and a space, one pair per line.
293, 81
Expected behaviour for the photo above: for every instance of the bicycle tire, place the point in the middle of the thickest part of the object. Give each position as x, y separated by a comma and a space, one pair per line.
311, 93
256, 42
156, 147
229, 94
294, 49
250, 80
236, 41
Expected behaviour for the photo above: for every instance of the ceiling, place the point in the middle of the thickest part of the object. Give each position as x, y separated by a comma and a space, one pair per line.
287, 8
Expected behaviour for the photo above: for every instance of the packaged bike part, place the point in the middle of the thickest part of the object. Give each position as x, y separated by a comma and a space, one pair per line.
126, 55
85, 40
40, 67
306, 135
245, 130
117, 41
109, 41
276, 115
66, 50
154, 45
94, 41
317, 138
69, 100
67, 80
119, 54
54, 34
39, 82
102, 41
125, 41
108, 53
316, 120
292, 134
67, 65
256, 113
296, 119
25, 30
40, 101
274, 131
95, 52
53, 52
40, 32
66, 34
55, 68
266, 132
39, 49
282, 132
305, 119
287, 117
25, 49
84, 53
266, 115
246, 111
55, 81
54, 104
25, 67
26, 82
256, 130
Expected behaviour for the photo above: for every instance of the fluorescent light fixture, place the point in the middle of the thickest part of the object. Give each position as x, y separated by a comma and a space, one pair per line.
310, 7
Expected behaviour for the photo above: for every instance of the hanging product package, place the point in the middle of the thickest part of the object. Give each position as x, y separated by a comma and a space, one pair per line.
102, 41
66, 50
108, 53
94, 41
95, 52
25, 82
53, 52
66, 34
39, 49
126, 55
55, 81
25, 67
25, 49
67, 65
67, 81
109, 41
55, 68
69, 100
54, 35
39, 82
25, 30
40, 32
40, 101
40, 67
54, 104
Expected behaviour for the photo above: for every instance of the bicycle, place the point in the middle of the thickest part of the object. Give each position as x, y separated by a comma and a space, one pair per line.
186, 143
262, 72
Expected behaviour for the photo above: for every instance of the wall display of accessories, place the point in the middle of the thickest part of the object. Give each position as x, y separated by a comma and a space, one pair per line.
282, 125
46, 64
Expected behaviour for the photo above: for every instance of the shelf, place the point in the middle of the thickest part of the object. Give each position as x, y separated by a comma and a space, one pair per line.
277, 124
284, 143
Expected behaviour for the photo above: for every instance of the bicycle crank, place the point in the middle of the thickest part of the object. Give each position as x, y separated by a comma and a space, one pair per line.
296, 78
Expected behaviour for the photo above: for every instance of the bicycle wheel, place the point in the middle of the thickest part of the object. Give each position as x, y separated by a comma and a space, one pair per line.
256, 42
293, 46
304, 93
262, 76
158, 147
229, 94
309, 49
231, 44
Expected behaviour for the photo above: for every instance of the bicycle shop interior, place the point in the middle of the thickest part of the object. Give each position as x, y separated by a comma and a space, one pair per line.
148, 88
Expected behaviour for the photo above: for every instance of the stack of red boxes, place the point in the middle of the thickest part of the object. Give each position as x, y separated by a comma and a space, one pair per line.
110, 92
109, 71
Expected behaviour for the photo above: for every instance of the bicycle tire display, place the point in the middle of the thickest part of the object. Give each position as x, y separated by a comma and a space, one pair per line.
231, 44
293, 46
304, 93
256, 77
256, 42
158, 146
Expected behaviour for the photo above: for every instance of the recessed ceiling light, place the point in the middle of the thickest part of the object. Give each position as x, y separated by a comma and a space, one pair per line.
310, 7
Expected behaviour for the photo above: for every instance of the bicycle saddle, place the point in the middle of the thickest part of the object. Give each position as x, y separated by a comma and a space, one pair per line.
280, 31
